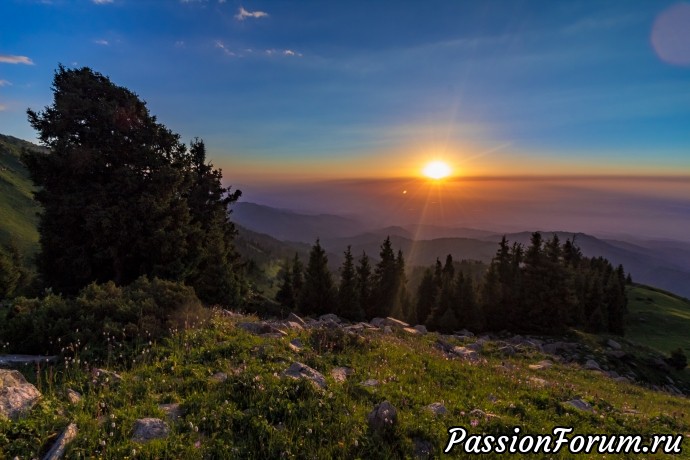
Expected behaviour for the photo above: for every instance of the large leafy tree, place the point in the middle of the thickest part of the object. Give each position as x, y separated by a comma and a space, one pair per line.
123, 197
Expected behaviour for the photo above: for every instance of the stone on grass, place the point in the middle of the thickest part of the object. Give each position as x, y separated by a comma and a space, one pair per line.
613, 344
340, 374
172, 411
592, 365
579, 404
302, 371
544, 364
330, 317
412, 330
395, 323
421, 328
383, 416
296, 345
465, 353
73, 397
437, 408
146, 429
105, 375
423, 449
296, 319
370, 383
377, 322
17, 396
219, 377
58, 450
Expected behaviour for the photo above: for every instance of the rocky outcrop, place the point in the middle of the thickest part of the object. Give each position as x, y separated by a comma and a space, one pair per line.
17, 396
146, 429
302, 371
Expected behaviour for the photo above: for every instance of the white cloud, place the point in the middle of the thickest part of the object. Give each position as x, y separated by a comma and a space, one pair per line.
291, 53
102, 2
5, 83
10, 59
243, 14
179, 44
102, 42
221, 45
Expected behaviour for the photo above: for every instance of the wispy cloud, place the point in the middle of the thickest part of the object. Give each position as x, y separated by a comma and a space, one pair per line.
10, 59
3, 107
102, 42
226, 50
243, 14
101, 2
5, 83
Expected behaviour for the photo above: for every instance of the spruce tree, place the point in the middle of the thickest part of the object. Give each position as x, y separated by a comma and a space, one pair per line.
286, 294
386, 282
348, 299
364, 286
318, 294
427, 293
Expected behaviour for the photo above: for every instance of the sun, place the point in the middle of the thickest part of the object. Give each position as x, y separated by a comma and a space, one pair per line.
436, 170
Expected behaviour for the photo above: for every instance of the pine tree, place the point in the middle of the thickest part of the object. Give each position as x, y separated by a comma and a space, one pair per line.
427, 293
348, 299
286, 294
364, 286
318, 294
386, 283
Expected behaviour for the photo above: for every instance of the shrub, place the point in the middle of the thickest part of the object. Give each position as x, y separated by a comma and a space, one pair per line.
678, 360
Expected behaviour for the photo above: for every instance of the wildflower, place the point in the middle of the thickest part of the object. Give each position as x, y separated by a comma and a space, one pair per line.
474, 422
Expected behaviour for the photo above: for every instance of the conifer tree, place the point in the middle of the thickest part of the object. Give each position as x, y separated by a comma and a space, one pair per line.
348, 299
318, 294
427, 293
364, 286
386, 277
286, 294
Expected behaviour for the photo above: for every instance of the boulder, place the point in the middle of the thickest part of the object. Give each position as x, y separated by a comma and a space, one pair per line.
592, 365
377, 322
613, 344
370, 383
146, 429
340, 374
219, 377
579, 404
172, 411
421, 328
423, 449
383, 416
17, 396
104, 375
330, 318
73, 397
411, 330
293, 318
296, 345
436, 408
302, 371
463, 333
465, 353
544, 364
58, 450
395, 323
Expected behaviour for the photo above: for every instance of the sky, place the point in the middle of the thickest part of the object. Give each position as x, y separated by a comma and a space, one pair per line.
295, 92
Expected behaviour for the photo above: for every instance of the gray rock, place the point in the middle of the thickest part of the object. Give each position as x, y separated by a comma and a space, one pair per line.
340, 374
58, 450
437, 408
579, 404
423, 449
296, 319
476, 346
465, 353
421, 328
618, 354
293, 325
146, 429
464, 333
387, 330
395, 323
508, 350
592, 365
330, 317
219, 377
613, 344
105, 375
73, 397
302, 371
383, 416
544, 364
377, 322
172, 410
296, 345
412, 330
370, 383
17, 396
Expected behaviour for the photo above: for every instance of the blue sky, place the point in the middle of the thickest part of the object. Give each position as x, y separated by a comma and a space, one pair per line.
327, 89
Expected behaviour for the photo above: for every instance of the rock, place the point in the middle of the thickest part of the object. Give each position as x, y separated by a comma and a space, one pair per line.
377, 322
613, 344
395, 323
273, 335
423, 449
293, 318
465, 353
219, 377
508, 350
73, 397
105, 375
57, 451
387, 330
538, 382
172, 410
340, 374
476, 346
544, 364
464, 333
330, 317
299, 370
579, 404
421, 328
293, 325
17, 396
618, 354
370, 383
592, 365
260, 328
411, 330
556, 347
383, 416
146, 429
437, 408
296, 345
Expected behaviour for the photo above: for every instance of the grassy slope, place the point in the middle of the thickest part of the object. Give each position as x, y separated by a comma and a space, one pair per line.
17, 207
257, 413
658, 319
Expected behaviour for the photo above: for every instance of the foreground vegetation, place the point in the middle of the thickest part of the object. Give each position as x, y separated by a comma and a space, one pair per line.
235, 402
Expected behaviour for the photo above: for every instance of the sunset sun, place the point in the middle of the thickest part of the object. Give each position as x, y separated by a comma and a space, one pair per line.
436, 170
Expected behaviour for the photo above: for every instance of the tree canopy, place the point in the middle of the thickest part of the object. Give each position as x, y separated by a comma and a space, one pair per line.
122, 197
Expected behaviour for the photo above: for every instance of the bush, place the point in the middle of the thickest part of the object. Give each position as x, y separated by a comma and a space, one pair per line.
145, 310
678, 360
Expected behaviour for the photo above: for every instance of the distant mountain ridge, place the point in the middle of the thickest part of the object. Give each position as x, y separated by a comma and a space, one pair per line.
663, 264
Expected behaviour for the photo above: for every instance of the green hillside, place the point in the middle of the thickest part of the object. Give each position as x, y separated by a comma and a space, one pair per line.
17, 206
658, 319
223, 392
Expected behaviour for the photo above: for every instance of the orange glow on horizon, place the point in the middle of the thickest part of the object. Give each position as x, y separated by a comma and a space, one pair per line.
436, 170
